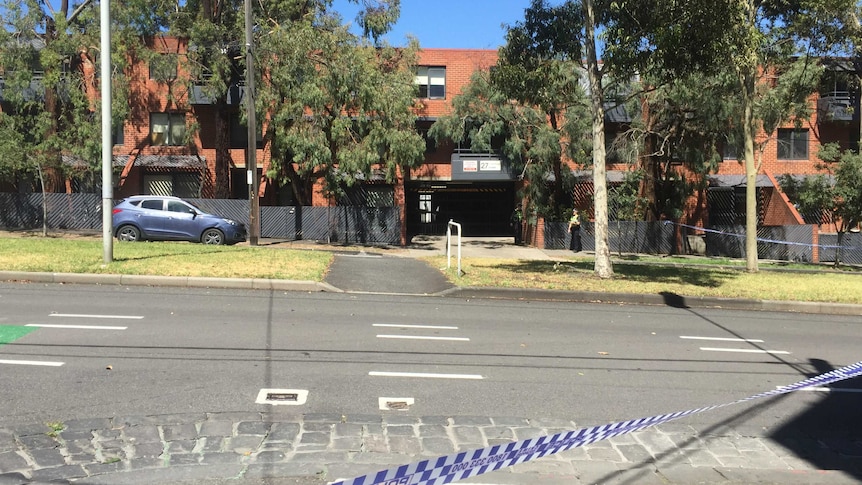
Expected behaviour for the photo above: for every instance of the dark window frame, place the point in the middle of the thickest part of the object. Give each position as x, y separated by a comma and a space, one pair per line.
792, 144
175, 127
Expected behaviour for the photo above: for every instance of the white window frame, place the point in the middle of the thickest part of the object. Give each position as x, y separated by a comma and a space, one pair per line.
433, 79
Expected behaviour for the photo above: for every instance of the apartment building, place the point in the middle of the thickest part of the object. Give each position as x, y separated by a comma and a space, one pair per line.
478, 190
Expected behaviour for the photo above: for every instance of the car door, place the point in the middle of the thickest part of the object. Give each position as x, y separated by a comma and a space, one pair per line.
181, 221
153, 217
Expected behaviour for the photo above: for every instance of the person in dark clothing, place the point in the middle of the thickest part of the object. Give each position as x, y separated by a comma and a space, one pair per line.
575, 230
516, 223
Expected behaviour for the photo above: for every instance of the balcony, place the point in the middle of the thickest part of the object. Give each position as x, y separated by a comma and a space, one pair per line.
835, 106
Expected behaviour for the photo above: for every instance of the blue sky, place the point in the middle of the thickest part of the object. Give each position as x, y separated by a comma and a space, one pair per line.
467, 24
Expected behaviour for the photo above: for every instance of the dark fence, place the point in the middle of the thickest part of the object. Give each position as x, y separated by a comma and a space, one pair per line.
623, 236
851, 247
340, 224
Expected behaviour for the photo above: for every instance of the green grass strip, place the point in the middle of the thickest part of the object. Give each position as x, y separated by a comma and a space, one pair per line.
11, 333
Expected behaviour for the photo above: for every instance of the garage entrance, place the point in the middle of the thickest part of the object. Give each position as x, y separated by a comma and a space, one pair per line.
482, 209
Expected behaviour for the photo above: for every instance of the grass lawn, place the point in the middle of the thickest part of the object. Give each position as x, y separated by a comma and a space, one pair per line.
717, 278
60, 255
821, 285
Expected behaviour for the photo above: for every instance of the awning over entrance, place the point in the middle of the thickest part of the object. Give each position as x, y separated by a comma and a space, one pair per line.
192, 162
80, 163
737, 181
484, 167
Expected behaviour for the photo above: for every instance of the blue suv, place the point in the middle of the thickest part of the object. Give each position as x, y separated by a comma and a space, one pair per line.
154, 217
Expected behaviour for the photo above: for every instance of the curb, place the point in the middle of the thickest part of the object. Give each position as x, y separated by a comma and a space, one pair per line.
667, 299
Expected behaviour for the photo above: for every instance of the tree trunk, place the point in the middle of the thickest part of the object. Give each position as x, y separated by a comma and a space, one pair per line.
222, 153
747, 78
603, 266
750, 182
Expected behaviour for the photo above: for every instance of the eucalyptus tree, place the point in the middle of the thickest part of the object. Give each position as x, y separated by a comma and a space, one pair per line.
338, 106
755, 40
532, 137
49, 63
834, 196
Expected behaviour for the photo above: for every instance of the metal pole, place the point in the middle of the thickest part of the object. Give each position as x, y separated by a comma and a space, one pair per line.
107, 144
251, 157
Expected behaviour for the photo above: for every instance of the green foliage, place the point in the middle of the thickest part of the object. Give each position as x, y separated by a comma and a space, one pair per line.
838, 201
49, 62
625, 198
340, 108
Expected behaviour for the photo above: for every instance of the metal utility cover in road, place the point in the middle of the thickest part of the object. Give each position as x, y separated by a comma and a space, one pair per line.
289, 397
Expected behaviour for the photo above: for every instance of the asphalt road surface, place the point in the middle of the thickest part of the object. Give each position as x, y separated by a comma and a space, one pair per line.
95, 351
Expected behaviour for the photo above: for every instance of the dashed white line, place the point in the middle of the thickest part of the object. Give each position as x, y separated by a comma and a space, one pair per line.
81, 327
421, 337
425, 375
31, 362
78, 315
828, 389
722, 339
395, 325
749, 351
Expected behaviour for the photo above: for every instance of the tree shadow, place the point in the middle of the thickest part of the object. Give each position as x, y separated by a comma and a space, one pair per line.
829, 433
707, 277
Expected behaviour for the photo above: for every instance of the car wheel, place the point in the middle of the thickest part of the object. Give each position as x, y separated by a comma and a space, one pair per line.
212, 236
128, 233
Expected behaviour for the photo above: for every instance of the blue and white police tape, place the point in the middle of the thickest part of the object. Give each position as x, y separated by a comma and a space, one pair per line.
763, 240
458, 466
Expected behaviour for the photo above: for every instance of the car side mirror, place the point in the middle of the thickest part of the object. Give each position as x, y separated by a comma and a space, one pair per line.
193, 212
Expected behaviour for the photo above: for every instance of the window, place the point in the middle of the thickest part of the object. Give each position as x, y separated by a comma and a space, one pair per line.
177, 206
118, 135
168, 128
152, 204
792, 144
430, 142
431, 82
163, 67
731, 151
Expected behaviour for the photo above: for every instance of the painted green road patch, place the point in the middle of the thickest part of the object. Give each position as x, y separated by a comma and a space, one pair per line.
11, 333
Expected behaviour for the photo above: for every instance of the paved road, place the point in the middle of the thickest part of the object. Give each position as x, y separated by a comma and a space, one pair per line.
283, 447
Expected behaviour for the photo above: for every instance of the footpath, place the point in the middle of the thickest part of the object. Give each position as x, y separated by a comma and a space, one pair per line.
277, 447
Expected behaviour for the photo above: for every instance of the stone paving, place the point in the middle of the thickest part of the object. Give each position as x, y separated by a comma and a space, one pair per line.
276, 448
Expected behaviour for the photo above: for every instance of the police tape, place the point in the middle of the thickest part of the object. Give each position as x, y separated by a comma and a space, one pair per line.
458, 466
760, 239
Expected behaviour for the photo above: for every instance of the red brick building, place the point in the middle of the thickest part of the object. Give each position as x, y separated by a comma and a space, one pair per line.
477, 190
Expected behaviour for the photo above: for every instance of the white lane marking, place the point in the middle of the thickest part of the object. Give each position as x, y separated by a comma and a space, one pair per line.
394, 325
82, 327
750, 351
723, 339
31, 362
77, 315
421, 337
827, 389
425, 375
395, 403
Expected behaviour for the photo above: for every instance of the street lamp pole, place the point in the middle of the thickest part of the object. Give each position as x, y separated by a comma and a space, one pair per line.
251, 156
107, 145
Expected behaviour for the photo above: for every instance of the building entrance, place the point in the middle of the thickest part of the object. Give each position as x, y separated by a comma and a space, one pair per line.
482, 209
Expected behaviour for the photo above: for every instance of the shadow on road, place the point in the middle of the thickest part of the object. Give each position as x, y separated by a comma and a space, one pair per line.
829, 433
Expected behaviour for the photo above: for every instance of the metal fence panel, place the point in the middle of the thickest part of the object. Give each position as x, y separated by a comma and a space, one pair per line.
784, 243
64, 211
623, 237
344, 224
851, 248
